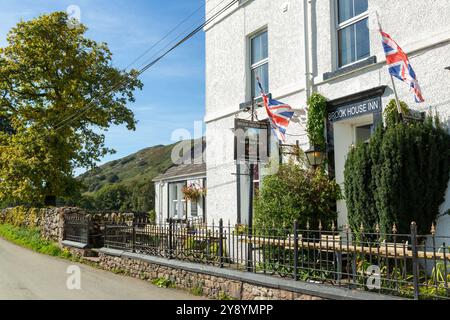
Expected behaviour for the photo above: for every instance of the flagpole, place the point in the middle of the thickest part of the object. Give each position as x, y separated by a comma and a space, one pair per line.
399, 107
397, 101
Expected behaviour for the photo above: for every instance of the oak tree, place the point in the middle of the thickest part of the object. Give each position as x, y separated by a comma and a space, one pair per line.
58, 92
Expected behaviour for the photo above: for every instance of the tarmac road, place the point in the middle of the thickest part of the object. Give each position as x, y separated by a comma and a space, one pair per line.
26, 275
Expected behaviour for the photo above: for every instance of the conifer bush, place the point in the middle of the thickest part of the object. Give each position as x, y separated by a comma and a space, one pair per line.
400, 176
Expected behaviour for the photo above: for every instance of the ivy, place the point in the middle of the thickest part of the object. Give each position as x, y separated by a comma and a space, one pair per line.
400, 176
317, 112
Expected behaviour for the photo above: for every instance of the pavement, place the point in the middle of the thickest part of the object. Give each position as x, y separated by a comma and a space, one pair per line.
26, 275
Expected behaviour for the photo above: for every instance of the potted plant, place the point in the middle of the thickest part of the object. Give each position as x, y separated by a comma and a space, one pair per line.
193, 192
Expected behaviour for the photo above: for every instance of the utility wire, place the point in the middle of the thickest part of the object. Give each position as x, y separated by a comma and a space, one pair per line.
178, 37
90, 105
167, 34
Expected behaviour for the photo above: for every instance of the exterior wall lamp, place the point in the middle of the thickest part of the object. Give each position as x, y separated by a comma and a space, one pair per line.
448, 68
315, 156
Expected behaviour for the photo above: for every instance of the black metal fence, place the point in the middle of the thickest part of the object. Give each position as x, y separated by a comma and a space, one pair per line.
84, 229
406, 265
76, 228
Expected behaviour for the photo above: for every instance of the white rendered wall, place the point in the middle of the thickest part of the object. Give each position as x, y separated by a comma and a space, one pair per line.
420, 27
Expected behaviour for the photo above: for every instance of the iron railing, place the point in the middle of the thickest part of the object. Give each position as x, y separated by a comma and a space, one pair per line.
76, 228
406, 265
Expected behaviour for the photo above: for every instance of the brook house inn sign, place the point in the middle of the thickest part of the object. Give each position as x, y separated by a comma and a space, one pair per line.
355, 109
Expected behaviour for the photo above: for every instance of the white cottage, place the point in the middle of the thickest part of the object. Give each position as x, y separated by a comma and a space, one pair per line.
186, 177
298, 47
170, 200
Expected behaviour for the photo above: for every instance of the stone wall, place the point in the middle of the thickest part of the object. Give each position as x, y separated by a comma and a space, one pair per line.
208, 285
49, 220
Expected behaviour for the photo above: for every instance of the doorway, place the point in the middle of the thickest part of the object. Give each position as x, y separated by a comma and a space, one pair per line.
348, 134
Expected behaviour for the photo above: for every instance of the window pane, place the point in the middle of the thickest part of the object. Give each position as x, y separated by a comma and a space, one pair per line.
259, 48
347, 45
263, 73
256, 53
345, 9
362, 39
361, 6
194, 209
265, 45
348, 9
363, 134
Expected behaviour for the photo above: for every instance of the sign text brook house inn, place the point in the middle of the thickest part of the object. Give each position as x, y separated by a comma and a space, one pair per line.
355, 109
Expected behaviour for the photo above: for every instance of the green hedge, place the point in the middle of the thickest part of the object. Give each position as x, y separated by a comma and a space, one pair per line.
400, 176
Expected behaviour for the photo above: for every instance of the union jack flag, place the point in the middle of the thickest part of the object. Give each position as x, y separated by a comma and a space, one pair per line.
400, 67
280, 114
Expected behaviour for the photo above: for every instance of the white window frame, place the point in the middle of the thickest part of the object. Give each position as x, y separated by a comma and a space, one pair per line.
343, 25
259, 63
177, 204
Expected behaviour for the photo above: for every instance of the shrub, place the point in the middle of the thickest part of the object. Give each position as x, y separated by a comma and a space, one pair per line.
163, 283
113, 178
197, 290
400, 176
295, 193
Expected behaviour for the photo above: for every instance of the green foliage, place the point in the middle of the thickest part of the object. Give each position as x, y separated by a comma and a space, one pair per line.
391, 114
224, 296
20, 216
120, 271
113, 179
201, 249
163, 283
143, 197
317, 112
31, 239
295, 193
49, 71
399, 177
113, 197
197, 290
152, 216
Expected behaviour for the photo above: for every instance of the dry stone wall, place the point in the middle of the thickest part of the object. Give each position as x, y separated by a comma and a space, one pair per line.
207, 285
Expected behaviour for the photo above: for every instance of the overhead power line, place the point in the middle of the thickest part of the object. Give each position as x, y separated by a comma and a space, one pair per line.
90, 105
167, 34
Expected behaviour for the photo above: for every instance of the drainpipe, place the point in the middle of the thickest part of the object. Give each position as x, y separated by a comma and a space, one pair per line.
161, 196
307, 51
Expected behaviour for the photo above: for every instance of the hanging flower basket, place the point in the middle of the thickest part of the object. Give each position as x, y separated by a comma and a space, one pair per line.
193, 192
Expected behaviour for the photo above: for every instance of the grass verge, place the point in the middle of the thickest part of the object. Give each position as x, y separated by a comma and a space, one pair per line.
31, 239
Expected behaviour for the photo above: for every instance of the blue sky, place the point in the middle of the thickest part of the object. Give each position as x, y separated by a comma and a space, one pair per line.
173, 94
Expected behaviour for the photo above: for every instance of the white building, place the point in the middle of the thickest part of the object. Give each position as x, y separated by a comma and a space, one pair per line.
329, 46
188, 171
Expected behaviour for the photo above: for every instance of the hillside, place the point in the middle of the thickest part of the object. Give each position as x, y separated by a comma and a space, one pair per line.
134, 169
126, 184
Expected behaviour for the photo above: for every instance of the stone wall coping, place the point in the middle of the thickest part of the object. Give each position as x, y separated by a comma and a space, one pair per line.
73, 244
318, 290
